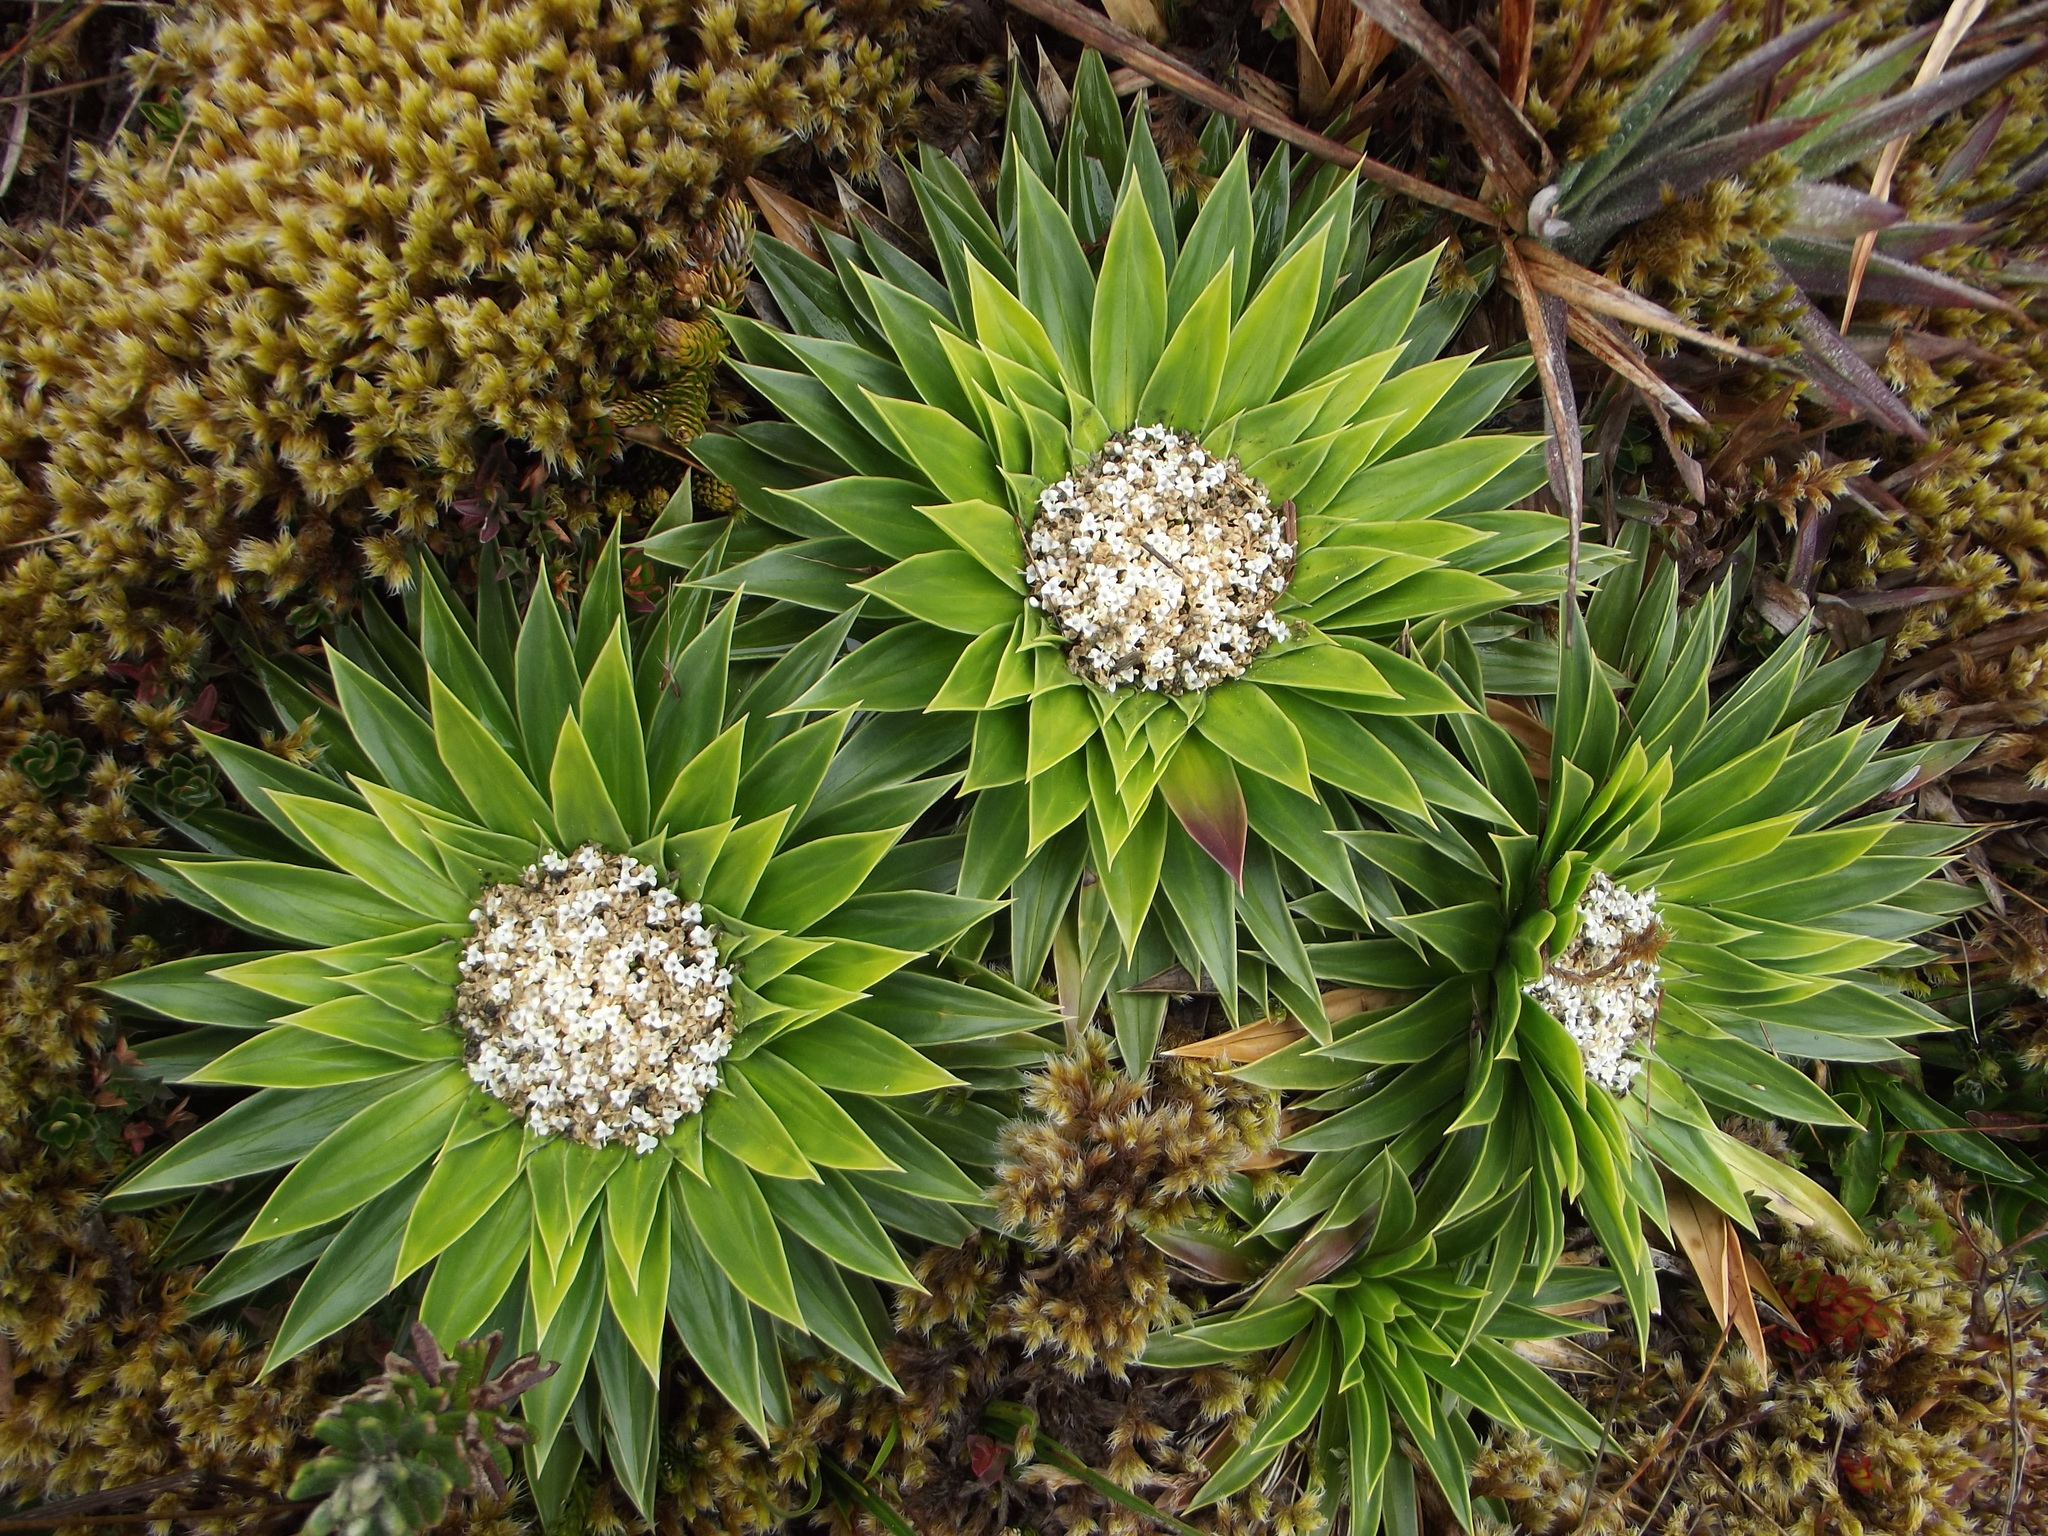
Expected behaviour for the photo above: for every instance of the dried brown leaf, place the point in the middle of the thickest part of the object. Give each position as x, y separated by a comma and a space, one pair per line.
1099, 32
1604, 340
1247, 1043
1141, 16
1560, 275
1712, 1244
1499, 131
1961, 16
1517, 48
787, 219
1345, 1002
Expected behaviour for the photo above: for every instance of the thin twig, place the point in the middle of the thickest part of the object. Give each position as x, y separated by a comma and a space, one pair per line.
163, 1517
17, 140
1099, 32
1664, 1435
2022, 1444
1962, 15
60, 90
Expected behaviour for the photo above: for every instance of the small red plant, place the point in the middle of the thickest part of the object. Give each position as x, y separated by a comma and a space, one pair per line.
1833, 1311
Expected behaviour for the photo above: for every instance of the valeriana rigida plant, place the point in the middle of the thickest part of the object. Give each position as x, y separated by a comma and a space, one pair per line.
1681, 909
1665, 917
1149, 491
1385, 1328
600, 1004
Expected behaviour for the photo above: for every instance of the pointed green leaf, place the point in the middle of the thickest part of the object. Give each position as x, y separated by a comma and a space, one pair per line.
353, 1275
609, 716
453, 658
737, 1230
826, 1135
547, 680
466, 1182
804, 883
394, 735
739, 1120
584, 812
1266, 337
498, 786
1221, 236
1053, 277
472, 1276
357, 843
312, 906
1242, 719
850, 1055
948, 588
1202, 787
362, 1159
1129, 328
1184, 384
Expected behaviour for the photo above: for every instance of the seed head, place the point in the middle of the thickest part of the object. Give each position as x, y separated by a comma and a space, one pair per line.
593, 1000
1603, 987
1160, 564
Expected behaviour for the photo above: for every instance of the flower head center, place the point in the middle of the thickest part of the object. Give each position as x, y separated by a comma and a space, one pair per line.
593, 1002
1603, 986
1160, 564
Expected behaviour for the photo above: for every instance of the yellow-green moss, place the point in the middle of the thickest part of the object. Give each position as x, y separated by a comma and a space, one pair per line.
270, 350
1907, 1422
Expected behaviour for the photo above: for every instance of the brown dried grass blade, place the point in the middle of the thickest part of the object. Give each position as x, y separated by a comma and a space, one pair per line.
1346, 1002
1308, 18
1141, 16
1517, 48
1245, 1044
1545, 316
1582, 286
1104, 35
1689, 469
1712, 1244
1760, 1282
1582, 51
1962, 15
1365, 50
1530, 734
787, 219
1492, 120
1604, 340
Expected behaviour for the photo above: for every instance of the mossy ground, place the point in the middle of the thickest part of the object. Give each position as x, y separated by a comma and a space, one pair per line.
354, 282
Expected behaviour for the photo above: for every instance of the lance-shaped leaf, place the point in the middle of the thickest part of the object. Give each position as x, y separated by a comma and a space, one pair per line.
1201, 785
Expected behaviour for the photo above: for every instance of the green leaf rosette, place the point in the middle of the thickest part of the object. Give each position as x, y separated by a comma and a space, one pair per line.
1680, 911
592, 1000
1388, 1325
1154, 491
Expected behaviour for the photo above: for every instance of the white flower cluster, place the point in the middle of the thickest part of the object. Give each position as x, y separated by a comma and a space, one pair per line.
593, 1000
1160, 564
1603, 989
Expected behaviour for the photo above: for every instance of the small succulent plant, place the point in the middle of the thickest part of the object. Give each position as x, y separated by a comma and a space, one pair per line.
48, 760
412, 1436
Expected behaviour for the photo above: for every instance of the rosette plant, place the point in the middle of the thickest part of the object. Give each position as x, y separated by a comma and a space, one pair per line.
1674, 912
588, 998
1671, 906
1151, 492
1394, 1320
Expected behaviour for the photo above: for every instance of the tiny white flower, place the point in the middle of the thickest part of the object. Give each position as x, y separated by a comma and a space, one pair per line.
1604, 988
1166, 561
582, 1011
